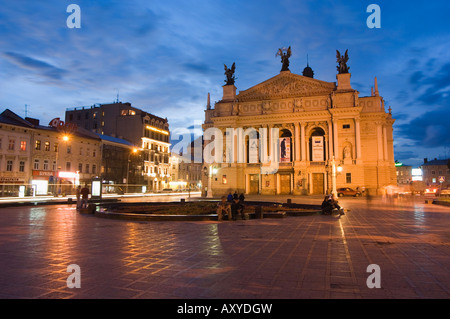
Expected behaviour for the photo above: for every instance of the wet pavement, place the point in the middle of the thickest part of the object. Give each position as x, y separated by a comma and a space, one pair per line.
289, 258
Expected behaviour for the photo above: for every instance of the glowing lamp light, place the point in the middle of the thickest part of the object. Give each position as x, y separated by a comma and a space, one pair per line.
339, 168
65, 138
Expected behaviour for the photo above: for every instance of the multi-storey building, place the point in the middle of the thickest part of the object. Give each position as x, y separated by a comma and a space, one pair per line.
48, 159
436, 172
149, 132
322, 126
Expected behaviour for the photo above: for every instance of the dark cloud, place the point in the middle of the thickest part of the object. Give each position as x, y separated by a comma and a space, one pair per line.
429, 130
43, 68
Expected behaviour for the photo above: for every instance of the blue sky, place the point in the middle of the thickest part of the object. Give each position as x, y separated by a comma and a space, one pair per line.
165, 56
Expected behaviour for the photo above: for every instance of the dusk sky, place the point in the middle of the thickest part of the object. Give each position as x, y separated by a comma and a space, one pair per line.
165, 56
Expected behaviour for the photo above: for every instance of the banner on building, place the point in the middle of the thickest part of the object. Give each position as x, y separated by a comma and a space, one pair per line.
285, 149
317, 149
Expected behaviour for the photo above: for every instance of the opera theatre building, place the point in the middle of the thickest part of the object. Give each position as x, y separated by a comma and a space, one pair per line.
315, 132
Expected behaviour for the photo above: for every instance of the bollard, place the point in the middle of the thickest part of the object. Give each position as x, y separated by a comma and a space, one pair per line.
183, 200
289, 201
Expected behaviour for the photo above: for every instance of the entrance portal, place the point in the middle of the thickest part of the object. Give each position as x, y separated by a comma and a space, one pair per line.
318, 183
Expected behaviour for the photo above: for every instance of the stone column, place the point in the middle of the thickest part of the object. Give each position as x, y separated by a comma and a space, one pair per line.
385, 143
335, 140
303, 141
297, 141
358, 138
330, 141
379, 141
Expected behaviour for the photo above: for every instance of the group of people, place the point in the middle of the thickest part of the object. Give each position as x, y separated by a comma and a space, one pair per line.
329, 204
82, 196
231, 206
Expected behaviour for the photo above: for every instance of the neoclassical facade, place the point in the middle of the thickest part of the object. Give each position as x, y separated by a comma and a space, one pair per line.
317, 122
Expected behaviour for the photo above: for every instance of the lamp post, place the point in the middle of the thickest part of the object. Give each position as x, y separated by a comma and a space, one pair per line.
333, 176
134, 151
209, 192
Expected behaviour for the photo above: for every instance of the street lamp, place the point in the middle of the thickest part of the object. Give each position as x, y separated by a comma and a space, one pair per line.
134, 151
333, 176
209, 192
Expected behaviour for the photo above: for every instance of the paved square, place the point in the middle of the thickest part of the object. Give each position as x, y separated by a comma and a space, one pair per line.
294, 257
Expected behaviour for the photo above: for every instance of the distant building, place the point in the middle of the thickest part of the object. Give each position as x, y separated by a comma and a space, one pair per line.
185, 173
123, 121
404, 174
119, 156
435, 171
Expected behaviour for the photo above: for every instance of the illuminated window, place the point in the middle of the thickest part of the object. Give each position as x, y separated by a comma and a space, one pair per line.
23, 145
47, 146
37, 145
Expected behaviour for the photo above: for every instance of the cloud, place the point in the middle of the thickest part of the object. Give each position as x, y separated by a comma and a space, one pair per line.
430, 130
43, 68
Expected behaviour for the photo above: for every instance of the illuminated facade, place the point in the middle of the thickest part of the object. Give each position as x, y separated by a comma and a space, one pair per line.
317, 121
48, 159
149, 132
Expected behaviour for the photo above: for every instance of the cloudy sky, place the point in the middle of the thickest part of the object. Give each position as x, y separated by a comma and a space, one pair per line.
165, 56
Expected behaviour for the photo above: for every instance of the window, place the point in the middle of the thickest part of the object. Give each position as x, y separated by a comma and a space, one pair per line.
23, 145
94, 153
68, 166
55, 147
346, 126
69, 149
94, 169
36, 164
21, 166
87, 168
46, 165
11, 144
9, 165
433, 172
87, 152
81, 151
70, 117
80, 168
47, 146
54, 166
348, 178
37, 145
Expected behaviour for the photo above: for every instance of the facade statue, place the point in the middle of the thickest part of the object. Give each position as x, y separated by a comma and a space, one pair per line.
230, 74
284, 58
342, 61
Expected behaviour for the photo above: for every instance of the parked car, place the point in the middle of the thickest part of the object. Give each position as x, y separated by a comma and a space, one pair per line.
167, 190
444, 192
347, 191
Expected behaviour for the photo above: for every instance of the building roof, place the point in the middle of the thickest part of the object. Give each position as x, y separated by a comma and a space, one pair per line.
9, 117
437, 162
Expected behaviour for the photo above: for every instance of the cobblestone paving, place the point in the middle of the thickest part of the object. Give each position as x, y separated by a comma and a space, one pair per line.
294, 257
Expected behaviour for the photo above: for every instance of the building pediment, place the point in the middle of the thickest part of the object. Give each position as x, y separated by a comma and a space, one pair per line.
286, 85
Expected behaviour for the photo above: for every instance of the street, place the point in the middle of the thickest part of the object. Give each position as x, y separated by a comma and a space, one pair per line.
291, 258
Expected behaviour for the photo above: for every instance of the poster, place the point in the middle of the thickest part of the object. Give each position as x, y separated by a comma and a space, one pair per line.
317, 149
285, 149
